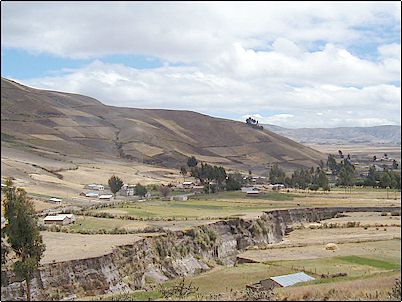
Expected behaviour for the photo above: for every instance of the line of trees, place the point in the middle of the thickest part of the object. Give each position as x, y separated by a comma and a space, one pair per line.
312, 179
214, 178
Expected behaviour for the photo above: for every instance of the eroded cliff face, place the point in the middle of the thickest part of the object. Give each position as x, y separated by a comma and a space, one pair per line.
164, 257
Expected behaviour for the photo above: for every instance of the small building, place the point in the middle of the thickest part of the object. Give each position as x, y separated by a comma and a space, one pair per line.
259, 179
277, 186
197, 189
71, 217
107, 197
55, 200
96, 187
127, 190
246, 189
187, 184
61, 219
92, 194
253, 192
281, 281
179, 197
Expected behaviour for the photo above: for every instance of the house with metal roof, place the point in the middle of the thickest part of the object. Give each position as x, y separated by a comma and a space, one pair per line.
107, 197
281, 281
61, 219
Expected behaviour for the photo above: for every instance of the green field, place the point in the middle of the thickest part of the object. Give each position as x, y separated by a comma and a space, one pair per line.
275, 196
194, 208
227, 278
87, 223
353, 266
371, 262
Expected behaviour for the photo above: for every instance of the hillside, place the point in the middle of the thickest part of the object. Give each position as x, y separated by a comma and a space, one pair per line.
387, 134
63, 125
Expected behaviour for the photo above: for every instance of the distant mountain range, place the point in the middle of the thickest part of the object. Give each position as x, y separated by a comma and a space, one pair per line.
378, 135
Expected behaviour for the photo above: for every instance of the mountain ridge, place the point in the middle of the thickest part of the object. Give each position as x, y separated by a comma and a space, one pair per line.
383, 134
81, 126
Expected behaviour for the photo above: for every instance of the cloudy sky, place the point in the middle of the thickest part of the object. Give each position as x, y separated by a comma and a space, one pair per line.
295, 64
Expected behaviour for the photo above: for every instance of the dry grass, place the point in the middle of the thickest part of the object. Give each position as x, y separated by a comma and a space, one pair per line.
64, 246
374, 288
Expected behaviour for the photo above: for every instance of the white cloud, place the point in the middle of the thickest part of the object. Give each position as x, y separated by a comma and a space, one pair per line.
287, 63
187, 31
207, 90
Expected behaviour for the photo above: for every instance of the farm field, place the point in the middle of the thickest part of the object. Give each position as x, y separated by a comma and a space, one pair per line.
94, 224
387, 250
80, 246
237, 204
193, 208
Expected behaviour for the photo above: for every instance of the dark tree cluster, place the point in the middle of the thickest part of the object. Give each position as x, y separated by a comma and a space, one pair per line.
216, 175
383, 179
206, 174
253, 123
276, 174
312, 179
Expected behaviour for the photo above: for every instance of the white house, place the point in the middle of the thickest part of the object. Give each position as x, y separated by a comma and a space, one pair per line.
246, 189
179, 197
277, 186
127, 190
91, 194
56, 200
71, 217
187, 184
96, 187
61, 219
106, 197
253, 192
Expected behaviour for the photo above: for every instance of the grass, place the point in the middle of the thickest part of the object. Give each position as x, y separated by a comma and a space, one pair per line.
133, 296
224, 278
370, 262
94, 224
193, 208
275, 196
353, 266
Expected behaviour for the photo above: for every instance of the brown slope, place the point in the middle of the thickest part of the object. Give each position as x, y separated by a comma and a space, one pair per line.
80, 126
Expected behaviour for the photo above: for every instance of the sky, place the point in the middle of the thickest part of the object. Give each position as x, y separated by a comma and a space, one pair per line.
292, 64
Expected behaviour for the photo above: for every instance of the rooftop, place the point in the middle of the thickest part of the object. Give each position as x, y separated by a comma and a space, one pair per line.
292, 279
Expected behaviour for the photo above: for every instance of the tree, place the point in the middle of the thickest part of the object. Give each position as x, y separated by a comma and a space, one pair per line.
140, 190
164, 190
385, 181
323, 181
22, 233
234, 182
371, 177
115, 184
332, 165
219, 175
192, 162
321, 164
276, 175
183, 171
346, 175
250, 176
